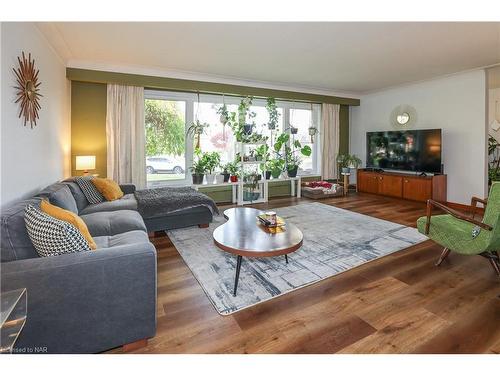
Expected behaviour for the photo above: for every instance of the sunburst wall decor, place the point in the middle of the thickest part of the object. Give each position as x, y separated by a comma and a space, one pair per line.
27, 90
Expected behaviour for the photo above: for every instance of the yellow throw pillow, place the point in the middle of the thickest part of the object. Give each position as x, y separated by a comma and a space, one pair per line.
69, 217
108, 188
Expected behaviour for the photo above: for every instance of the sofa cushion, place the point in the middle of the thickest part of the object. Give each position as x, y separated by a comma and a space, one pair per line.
15, 243
127, 202
110, 223
127, 238
108, 188
81, 201
51, 236
60, 195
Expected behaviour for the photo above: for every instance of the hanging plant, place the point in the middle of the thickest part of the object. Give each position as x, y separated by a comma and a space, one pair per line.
242, 122
196, 130
312, 129
312, 132
272, 109
223, 115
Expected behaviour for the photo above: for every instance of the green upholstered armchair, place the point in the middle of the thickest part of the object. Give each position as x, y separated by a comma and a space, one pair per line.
464, 234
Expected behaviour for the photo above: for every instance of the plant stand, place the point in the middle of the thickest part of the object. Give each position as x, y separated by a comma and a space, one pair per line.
262, 184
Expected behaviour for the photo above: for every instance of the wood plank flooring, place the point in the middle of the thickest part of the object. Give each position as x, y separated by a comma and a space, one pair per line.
401, 303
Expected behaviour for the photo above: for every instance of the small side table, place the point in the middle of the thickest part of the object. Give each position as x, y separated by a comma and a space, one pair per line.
12, 317
346, 183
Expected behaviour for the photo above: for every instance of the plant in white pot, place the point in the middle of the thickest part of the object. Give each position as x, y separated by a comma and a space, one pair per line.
211, 160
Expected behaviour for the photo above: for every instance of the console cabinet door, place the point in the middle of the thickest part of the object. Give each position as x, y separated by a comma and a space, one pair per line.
368, 182
417, 189
391, 186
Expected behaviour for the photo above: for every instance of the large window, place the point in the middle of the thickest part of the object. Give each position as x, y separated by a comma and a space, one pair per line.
168, 115
303, 119
216, 137
165, 140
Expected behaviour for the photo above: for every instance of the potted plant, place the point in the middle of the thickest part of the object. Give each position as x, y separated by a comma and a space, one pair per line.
252, 157
347, 161
198, 168
223, 115
196, 129
312, 132
251, 183
211, 162
225, 172
219, 178
242, 123
232, 168
293, 129
293, 163
292, 159
272, 110
275, 167
494, 160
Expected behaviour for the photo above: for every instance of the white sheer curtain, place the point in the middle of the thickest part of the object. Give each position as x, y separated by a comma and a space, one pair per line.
329, 139
126, 135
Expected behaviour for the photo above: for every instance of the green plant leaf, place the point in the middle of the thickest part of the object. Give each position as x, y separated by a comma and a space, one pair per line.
306, 150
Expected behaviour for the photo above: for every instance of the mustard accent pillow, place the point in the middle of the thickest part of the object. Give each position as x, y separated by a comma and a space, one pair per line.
68, 217
108, 188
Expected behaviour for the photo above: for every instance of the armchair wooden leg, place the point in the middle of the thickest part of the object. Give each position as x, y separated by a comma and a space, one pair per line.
443, 256
205, 225
495, 266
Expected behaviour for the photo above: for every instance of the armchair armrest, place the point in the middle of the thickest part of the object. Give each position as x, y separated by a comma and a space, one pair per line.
432, 203
474, 201
86, 302
127, 188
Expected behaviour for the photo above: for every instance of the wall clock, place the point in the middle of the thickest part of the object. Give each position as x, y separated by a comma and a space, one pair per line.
27, 90
404, 116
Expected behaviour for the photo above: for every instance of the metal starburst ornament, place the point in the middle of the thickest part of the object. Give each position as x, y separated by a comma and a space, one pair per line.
27, 90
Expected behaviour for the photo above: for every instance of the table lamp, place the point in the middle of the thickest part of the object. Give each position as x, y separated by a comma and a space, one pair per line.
84, 163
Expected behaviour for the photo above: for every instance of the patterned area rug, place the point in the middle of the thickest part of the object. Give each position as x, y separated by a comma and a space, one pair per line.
335, 240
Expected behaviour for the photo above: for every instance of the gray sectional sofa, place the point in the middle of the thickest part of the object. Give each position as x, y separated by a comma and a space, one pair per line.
91, 301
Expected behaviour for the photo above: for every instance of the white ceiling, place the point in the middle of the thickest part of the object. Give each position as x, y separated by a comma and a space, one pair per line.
348, 57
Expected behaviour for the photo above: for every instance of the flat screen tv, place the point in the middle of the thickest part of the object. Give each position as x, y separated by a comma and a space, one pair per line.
405, 150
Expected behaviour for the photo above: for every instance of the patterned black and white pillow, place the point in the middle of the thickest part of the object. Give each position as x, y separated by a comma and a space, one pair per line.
89, 190
51, 236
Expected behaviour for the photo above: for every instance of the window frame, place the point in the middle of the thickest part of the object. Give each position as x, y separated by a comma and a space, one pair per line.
191, 98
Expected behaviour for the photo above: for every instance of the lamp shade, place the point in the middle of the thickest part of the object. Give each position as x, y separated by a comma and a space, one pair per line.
84, 163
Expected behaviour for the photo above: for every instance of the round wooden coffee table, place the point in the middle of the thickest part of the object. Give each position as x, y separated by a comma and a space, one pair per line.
244, 236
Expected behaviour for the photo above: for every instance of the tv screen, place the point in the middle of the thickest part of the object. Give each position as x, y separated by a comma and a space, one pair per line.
406, 150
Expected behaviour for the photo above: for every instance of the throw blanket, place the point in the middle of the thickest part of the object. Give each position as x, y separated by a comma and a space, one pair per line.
163, 201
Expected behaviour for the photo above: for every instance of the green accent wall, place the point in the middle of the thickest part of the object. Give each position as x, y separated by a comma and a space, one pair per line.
88, 124
344, 129
174, 84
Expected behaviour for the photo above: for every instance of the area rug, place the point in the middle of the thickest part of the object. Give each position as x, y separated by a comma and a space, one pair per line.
335, 240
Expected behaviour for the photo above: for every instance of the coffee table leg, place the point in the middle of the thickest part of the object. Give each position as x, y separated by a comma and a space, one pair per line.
286, 258
238, 266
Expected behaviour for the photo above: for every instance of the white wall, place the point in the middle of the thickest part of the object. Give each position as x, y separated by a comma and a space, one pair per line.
457, 105
33, 158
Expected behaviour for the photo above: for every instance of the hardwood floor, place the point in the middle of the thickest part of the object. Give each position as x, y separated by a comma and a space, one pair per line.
400, 303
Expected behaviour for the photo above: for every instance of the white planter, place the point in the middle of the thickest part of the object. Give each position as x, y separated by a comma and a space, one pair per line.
219, 179
210, 178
